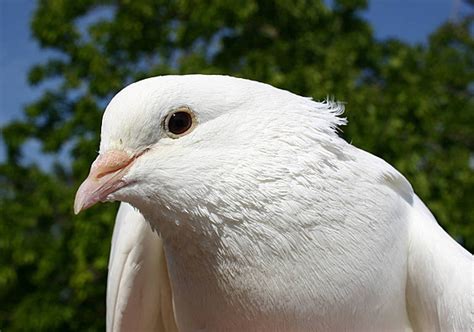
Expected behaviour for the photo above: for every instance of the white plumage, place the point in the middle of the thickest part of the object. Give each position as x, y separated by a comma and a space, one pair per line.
260, 218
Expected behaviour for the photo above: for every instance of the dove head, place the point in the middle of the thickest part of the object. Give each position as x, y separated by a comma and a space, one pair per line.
181, 146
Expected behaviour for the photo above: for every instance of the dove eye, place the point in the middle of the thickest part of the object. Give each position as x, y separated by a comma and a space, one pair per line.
179, 122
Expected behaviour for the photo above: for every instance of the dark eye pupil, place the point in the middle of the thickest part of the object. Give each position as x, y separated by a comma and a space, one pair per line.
179, 122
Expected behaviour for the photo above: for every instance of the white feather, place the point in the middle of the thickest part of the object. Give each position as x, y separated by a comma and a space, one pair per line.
440, 287
269, 220
138, 289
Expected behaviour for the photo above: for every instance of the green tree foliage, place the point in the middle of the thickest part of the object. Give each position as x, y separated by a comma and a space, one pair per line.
410, 104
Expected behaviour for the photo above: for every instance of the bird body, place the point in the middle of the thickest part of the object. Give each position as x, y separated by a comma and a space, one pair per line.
260, 218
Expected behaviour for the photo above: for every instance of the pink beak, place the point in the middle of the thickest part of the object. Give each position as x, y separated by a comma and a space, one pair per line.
105, 177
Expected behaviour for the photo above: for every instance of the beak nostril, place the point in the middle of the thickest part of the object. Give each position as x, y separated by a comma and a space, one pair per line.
98, 173
101, 175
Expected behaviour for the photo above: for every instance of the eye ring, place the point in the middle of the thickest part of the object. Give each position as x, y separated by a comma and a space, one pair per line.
179, 122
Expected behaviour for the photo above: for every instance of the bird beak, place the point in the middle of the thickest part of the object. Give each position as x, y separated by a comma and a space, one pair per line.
105, 177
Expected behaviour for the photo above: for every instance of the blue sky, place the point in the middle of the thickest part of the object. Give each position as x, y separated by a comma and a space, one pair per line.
410, 20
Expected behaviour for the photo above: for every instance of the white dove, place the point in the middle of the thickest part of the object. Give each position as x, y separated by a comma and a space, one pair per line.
253, 215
